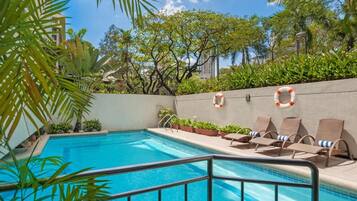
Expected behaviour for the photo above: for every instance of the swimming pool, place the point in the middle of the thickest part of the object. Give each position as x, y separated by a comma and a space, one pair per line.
137, 147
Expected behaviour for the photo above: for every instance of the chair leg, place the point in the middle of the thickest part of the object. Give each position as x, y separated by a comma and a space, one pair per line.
293, 156
327, 159
280, 150
256, 147
282, 147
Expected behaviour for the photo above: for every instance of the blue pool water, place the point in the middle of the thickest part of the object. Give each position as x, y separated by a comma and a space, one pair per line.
130, 148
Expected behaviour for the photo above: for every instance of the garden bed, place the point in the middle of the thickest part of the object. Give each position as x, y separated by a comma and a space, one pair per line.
206, 132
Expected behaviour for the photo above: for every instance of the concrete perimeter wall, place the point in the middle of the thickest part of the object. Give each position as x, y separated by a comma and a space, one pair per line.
128, 112
314, 101
23, 131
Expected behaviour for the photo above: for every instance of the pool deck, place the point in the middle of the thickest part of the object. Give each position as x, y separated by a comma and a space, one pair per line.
341, 172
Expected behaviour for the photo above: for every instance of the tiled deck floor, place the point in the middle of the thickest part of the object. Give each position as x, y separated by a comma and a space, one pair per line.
341, 172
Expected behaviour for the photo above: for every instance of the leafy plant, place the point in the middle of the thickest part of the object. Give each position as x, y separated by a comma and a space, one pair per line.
28, 56
92, 125
302, 69
185, 122
231, 128
205, 125
175, 121
63, 127
45, 179
244, 131
165, 111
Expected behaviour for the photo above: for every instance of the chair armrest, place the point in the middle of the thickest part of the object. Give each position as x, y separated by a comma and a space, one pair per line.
292, 135
269, 133
307, 136
336, 142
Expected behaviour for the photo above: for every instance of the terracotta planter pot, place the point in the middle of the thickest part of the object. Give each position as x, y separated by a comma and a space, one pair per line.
187, 129
174, 126
33, 138
206, 132
222, 134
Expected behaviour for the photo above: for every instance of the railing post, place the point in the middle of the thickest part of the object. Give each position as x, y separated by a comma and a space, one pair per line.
210, 179
314, 183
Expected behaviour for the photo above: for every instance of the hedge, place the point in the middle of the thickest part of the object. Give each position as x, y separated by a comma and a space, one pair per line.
302, 69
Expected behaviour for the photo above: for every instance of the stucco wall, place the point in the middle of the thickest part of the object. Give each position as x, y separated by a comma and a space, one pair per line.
23, 131
332, 99
128, 112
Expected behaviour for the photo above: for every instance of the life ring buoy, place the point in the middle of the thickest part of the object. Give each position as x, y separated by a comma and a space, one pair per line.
220, 97
277, 94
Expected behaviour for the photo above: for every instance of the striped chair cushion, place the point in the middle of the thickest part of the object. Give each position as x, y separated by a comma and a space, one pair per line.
254, 134
325, 143
283, 137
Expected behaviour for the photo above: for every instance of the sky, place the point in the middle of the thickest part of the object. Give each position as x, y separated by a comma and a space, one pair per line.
97, 19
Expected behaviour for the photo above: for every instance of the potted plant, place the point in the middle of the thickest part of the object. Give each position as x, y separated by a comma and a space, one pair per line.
186, 125
92, 125
175, 123
231, 128
63, 127
206, 128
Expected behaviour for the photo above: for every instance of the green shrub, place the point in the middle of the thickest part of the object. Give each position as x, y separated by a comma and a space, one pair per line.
302, 69
62, 127
92, 125
231, 128
165, 111
175, 121
191, 86
185, 122
245, 131
205, 125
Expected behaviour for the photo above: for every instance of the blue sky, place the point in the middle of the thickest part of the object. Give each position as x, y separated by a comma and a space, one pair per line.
86, 14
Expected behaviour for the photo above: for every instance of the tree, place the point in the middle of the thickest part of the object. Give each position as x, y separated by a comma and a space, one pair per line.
165, 50
80, 60
298, 16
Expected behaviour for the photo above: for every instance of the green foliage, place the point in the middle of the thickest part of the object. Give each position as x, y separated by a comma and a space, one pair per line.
62, 127
191, 86
165, 111
205, 125
244, 131
303, 69
152, 59
92, 125
185, 122
134, 8
30, 86
29, 175
231, 128
175, 121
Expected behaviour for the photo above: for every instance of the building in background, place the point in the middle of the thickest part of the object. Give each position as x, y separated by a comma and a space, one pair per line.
211, 68
59, 32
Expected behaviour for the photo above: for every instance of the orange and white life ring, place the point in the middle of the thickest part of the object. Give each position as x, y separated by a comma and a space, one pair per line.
277, 94
218, 100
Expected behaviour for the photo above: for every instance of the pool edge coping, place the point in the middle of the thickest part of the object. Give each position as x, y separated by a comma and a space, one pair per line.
324, 178
43, 139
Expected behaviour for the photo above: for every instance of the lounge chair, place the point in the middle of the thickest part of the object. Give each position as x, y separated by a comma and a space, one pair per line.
288, 134
328, 137
260, 127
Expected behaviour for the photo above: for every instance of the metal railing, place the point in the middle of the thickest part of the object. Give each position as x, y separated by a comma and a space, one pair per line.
313, 185
168, 118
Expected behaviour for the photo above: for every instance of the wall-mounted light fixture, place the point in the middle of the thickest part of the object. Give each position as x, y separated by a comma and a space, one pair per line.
247, 97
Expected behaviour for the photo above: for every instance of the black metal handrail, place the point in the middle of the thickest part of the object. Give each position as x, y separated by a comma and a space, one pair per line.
314, 185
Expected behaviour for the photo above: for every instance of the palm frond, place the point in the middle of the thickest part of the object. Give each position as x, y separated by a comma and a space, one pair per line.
29, 86
134, 8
